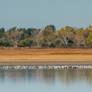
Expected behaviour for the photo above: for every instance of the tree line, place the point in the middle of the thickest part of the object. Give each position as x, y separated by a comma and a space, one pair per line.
47, 37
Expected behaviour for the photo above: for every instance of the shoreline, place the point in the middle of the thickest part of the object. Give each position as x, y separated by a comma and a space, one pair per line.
53, 56
45, 62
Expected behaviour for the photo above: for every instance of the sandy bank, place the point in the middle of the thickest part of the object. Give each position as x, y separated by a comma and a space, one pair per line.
54, 56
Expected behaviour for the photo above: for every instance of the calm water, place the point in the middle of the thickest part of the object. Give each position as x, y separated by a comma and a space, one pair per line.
77, 80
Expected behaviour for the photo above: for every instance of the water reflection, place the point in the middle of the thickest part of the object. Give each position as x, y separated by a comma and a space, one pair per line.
47, 76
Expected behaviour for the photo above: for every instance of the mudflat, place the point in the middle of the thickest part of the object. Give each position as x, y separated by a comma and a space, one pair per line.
45, 56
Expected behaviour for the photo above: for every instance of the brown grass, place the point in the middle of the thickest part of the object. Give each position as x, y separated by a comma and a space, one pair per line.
45, 56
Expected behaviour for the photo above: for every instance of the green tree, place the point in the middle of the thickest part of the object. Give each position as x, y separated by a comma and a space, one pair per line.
65, 35
26, 43
2, 32
51, 45
89, 40
5, 43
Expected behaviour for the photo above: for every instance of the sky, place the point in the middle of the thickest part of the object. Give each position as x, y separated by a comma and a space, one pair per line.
40, 13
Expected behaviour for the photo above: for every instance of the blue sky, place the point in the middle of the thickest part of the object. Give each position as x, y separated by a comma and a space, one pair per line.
39, 13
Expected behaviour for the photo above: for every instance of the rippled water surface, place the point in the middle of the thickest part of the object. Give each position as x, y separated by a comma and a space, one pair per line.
36, 80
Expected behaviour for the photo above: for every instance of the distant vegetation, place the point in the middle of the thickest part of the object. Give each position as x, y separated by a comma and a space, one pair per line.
48, 37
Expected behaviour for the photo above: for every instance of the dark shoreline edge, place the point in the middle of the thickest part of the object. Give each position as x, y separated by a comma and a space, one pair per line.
48, 67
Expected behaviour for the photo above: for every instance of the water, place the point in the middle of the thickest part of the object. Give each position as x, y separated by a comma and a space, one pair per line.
43, 80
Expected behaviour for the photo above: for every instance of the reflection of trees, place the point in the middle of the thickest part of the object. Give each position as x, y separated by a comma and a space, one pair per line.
16, 76
48, 76
67, 76
2, 76
86, 74
78, 75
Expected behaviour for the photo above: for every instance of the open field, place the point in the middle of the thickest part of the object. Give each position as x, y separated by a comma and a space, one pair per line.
27, 56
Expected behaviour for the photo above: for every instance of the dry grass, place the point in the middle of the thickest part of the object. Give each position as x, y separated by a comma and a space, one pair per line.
45, 56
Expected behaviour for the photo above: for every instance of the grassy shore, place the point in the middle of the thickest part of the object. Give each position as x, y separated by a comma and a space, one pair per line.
39, 56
